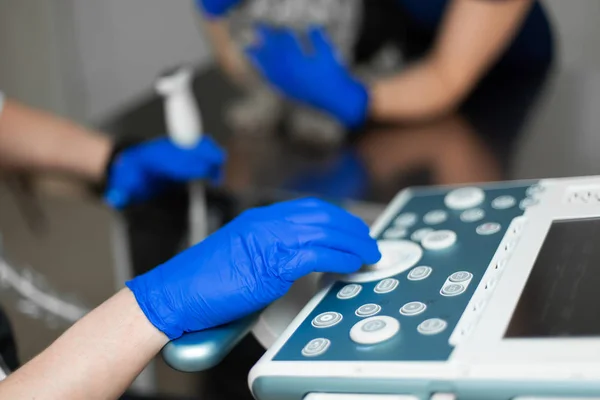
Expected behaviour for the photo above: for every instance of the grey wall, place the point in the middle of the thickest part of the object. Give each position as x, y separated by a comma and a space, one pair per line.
124, 44
87, 58
578, 32
30, 65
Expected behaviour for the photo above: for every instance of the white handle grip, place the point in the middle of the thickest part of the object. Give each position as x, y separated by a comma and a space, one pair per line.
182, 114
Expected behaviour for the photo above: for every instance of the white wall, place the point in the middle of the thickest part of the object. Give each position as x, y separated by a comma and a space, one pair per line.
86, 59
124, 44
578, 27
29, 54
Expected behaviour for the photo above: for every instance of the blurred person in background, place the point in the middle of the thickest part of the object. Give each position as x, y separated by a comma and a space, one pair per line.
451, 46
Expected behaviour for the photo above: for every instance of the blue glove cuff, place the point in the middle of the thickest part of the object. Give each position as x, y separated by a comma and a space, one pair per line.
352, 105
143, 295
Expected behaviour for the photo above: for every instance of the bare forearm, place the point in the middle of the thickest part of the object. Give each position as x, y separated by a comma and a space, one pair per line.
229, 56
97, 358
472, 37
419, 93
32, 140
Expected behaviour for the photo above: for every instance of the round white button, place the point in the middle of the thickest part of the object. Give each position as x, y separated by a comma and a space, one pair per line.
316, 347
488, 228
460, 276
453, 289
419, 273
472, 215
395, 232
419, 234
503, 202
374, 330
327, 319
406, 220
368, 310
413, 308
463, 198
435, 217
386, 286
528, 202
349, 291
432, 326
398, 255
439, 240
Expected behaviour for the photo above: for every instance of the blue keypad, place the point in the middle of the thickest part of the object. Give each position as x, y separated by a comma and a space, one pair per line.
409, 316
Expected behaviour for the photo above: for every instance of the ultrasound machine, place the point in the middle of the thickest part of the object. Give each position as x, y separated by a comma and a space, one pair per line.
483, 292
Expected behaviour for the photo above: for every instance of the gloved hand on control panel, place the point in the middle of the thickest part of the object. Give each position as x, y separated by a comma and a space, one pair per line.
310, 73
250, 263
139, 172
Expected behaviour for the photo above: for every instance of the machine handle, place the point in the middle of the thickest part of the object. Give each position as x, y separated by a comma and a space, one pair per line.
182, 114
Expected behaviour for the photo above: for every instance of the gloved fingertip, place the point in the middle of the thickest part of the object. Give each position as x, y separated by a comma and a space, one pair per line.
263, 33
213, 153
217, 176
374, 255
115, 199
318, 35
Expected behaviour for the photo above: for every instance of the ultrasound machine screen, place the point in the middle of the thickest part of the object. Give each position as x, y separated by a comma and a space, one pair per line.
562, 295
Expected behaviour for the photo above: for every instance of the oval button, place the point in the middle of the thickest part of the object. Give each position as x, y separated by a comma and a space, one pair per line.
453, 289
386, 286
488, 228
503, 202
327, 319
368, 310
432, 326
413, 308
439, 240
435, 217
463, 198
420, 234
374, 330
316, 347
349, 291
406, 220
460, 276
419, 273
472, 215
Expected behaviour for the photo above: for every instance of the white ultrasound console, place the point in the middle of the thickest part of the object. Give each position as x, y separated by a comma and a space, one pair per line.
483, 292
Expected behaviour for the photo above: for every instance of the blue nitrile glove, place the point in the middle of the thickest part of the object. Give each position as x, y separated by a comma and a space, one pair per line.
310, 73
216, 8
250, 263
142, 171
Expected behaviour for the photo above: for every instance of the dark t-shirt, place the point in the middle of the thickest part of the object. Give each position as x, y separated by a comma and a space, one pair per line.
532, 45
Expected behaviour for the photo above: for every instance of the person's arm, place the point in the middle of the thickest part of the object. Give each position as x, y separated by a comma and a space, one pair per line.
33, 140
473, 35
97, 358
259, 256
229, 57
